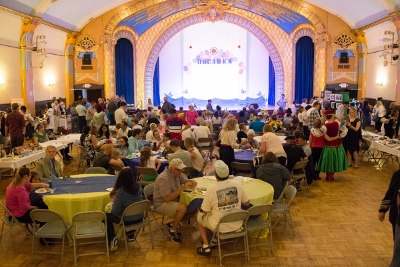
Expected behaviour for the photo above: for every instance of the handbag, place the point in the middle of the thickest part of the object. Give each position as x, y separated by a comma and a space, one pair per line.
257, 160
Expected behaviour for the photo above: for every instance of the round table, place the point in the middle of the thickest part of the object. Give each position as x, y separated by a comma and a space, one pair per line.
132, 163
246, 156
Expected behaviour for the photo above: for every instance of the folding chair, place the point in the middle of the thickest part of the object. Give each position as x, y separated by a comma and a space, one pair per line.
141, 171
89, 225
95, 170
299, 167
282, 209
187, 171
238, 167
148, 191
83, 157
206, 148
141, 207
116, 168
54, 228
259, 223
10, 222
242, 232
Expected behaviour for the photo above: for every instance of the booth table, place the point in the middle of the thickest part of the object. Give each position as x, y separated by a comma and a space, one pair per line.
83, 192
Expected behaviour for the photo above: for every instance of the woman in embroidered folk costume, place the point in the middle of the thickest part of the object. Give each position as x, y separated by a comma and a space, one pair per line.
333, 158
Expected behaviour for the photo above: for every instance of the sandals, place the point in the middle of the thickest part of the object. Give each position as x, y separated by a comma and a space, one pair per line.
204, 251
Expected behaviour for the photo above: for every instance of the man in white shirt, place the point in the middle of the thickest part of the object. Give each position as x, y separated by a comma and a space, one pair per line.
342, 110
81, 110
202, 132
135, 124
304, 104
221, 198
123, 131
90, 112
120, 114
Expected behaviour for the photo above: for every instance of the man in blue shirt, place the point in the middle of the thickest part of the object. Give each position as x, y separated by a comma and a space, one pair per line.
257, 125
209, 106
282, 102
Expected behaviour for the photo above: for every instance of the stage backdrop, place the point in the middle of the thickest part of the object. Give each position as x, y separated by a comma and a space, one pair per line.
218, 61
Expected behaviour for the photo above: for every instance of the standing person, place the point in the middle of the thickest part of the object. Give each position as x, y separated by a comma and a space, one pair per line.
304, 103
389, 124
126, 191
91, 144
351, 142
282, 102
306, 127
396, 249
81, 110
209, 106
29, 129
111, 108
228, 142
191, 115
366, 111
317, 142
293, 107
102, 104
174, 125
74, 118
313, 113
389, 202
166, 105
50, 117
15, 124
379, 112
99, 117
270, 142
120, 114
333, 157
149, 103
90, 113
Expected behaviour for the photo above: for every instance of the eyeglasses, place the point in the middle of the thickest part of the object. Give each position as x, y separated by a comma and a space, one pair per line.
179, 170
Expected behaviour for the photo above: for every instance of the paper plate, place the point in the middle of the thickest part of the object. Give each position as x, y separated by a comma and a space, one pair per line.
198, 193
109, 189
41, 191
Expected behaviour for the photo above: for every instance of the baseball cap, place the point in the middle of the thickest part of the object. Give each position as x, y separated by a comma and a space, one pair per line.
177, 163
221, 169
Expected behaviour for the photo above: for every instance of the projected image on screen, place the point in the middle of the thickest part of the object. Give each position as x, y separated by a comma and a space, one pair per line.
214, 60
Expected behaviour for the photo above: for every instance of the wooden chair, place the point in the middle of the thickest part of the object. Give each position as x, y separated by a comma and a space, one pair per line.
238, 167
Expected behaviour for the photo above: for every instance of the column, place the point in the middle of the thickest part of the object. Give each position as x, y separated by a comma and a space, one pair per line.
109, 71
69, 67
396, 20
27, 30
362, 63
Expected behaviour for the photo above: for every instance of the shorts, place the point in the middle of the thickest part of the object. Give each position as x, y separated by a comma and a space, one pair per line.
168, 208
203, 219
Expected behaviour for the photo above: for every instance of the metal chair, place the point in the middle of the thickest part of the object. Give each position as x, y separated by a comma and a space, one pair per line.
242, 232
10, 222
187, 171
148, 191
141, 171
83, 157
237, 167
95, 170
54, 228
88, 225
206, 148
116, 168
259, 223
301, 175
282, 209
141, 207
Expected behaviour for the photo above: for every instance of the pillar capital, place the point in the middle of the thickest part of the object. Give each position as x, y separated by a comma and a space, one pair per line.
28, 27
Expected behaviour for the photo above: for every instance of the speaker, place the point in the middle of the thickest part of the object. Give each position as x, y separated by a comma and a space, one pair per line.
87, 60
344, 57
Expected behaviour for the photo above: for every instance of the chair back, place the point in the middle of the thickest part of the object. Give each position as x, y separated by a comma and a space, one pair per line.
5, 216
148, 191
260, 209
237, 166
290, 191
116, 168
187, 171
89, 216
145, 171
217, 127
45, 216
94, 170
300, 165
82, 150
205, 140
234, 217
137, 208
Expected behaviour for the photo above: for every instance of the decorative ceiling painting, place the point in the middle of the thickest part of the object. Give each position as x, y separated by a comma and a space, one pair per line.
284, 18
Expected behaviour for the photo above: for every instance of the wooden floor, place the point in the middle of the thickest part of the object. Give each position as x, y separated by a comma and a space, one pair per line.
336, 224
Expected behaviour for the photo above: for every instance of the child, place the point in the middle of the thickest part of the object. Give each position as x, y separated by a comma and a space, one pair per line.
149, 161
197, 159
36, 199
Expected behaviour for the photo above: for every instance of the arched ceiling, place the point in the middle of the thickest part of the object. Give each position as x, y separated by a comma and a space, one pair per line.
74, 14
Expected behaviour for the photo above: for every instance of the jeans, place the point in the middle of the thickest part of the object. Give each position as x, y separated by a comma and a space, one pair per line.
366, 122
74, 124
194, 205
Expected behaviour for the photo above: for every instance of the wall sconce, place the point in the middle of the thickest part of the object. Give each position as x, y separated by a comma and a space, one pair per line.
38, 47
388, 54
1, 84
379, 83
1, 81
52, 84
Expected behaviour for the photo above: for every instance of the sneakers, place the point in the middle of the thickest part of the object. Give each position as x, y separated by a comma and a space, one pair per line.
114, 244
175, 236
169, 226
131, 235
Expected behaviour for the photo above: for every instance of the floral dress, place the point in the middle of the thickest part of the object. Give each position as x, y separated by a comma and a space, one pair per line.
90, 149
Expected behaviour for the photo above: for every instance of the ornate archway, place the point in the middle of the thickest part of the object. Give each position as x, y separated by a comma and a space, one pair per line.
198, 18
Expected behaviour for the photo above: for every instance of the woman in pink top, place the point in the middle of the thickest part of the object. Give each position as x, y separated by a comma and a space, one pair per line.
270, 142
191, 115
17, 195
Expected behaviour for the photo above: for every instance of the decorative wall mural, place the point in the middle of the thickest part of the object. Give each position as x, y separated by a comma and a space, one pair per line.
87, 66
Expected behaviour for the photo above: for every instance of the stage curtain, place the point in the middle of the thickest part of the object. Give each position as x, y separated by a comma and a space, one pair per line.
124, 69
271, 91
304, 83
156, 84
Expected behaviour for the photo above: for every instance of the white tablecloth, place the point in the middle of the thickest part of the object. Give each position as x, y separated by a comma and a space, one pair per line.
383, 148
282, 138
56, 143
70, 138
64, 123
19, 162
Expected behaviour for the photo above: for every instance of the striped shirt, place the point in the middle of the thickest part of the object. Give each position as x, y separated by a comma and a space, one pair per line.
175, 127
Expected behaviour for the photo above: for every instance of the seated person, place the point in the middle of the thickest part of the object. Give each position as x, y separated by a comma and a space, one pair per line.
153, 119
48, 167
126, 191
106, 158
197, 159
149, 161
123, 146
288, 118
50, 134
212, 209
134, 137
36, 199
85, 131
135, 124
242, 117
149, 134
251, 142
123, 131
305, 145
294, 152
188, 133
166, 140
167, 189
273, 173
157, 140
242, 133
17, 195
184, 155
104, 132
257, 125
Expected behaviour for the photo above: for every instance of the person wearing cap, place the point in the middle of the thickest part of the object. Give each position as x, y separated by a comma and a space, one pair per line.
221, 198
174, 125
333, 157
167, 189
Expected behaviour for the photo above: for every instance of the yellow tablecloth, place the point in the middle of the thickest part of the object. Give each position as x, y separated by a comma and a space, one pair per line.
67, 205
